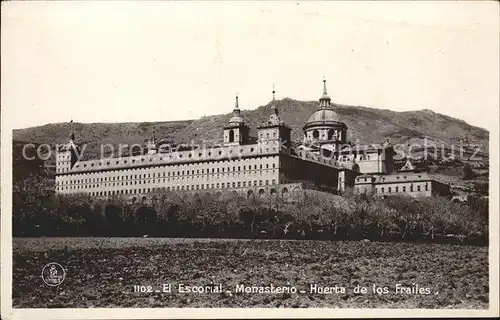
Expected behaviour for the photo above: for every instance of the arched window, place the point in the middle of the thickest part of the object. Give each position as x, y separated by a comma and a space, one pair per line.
330, 134
231, 136
315, 134
296, 191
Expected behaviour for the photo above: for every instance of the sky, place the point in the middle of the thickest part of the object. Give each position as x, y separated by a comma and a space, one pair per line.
163, 61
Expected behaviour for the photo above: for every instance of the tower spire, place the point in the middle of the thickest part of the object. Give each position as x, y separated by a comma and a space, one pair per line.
324, 101
236, 104
408, 151
273, 105
72, 133
408, 166
274, 119
236, 118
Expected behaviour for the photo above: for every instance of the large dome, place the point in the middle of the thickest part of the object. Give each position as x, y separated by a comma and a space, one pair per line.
323, 117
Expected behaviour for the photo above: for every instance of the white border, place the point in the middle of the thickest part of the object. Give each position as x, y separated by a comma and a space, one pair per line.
153, 313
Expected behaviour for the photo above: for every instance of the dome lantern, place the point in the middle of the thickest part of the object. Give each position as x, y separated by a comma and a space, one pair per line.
324, 101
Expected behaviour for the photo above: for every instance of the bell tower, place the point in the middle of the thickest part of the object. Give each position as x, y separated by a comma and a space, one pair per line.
237, 131
274, 132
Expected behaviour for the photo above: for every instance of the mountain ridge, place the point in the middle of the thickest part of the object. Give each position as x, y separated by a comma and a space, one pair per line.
365, 125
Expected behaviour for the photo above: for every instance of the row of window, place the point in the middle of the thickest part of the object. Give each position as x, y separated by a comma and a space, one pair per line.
180, 188
170, 156
403, 189
126, 183
219, 169
398, 189
261, 135
350, 158
138, 179
404, 177
344, 158
330, 134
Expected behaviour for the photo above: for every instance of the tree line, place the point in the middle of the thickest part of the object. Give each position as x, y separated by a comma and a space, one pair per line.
37, 211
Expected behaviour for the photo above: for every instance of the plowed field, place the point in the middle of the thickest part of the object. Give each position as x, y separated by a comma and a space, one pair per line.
102, 272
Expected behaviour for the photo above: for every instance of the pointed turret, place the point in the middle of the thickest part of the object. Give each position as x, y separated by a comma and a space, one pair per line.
274, 130
408, 166
274, 108
237, 131
68, 153
274, 119
236, 118
324, 101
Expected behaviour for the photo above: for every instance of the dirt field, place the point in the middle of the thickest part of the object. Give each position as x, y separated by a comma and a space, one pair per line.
101, 272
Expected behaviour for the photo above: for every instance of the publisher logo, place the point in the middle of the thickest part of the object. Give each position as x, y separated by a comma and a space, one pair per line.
53, 274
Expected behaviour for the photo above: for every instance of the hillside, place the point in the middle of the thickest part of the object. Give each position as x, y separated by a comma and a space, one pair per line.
367, 125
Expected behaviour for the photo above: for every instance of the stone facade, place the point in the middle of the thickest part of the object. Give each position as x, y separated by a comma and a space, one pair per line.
414, 184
